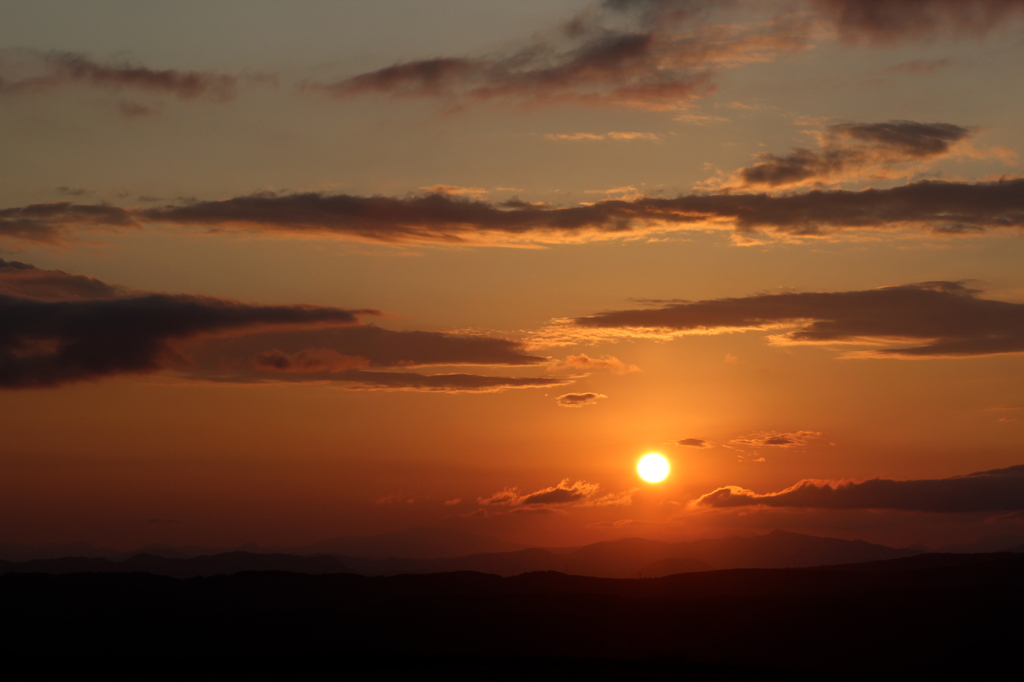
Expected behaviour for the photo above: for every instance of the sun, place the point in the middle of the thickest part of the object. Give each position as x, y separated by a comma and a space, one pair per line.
653, 468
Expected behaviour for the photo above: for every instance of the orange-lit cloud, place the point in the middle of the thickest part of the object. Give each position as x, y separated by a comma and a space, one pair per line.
578, 399
575, 137
579, 493
931, 319
985, 491
587, 363
776, 439
850, 151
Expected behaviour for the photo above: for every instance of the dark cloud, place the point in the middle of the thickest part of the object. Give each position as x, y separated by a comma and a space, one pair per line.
941, 207
999, 490
27, 281
366, 346
643, 54
947, 319
48, 222
895, 21
849, 149
694, 442
26, 70
48, 343
578, 399
57, 328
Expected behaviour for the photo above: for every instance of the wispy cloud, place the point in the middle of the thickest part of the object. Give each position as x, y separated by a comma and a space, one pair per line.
943, 208
855, 151
651, 55
932, 319
998, 490
29, 70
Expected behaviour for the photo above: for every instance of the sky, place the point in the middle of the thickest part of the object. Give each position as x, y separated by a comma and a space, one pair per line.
278, 272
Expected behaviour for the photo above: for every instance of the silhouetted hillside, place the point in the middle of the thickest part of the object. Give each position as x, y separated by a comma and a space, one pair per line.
957, 615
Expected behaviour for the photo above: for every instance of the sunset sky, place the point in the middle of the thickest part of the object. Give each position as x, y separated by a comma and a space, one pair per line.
278, 272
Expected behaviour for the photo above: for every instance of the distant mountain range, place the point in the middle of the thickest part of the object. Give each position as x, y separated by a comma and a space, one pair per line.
628, 558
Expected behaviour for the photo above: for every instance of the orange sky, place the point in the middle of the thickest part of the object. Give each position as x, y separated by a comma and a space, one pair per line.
275, 274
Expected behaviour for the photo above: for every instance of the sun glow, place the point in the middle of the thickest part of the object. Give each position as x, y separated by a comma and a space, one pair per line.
653, 468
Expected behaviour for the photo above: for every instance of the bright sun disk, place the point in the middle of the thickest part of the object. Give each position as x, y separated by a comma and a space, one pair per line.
653, 468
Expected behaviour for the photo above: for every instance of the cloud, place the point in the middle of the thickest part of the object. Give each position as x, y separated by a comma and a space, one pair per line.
921, 66
587, 363
997, 490
48, 343
604, 136
455, 190
776, 439
853, 151
303, 350
944, 208
646, 55
562, 494
930, 319
889, 23
22, 280
694, 443
47, 222
60, 328
28, 70
578, 399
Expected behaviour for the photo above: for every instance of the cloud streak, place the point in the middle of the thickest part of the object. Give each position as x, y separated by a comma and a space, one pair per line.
579, 493
931, 319
651, 55
852, 150
27, 71
943, 208
889, 23
59, 328
998, 490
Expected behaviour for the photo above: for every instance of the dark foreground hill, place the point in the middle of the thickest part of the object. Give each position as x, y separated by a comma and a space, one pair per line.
906, 618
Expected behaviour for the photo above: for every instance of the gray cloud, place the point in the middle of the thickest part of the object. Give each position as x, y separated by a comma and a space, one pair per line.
948, 319
997, 490
641, 54
887, 22
694, 442
27, 70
